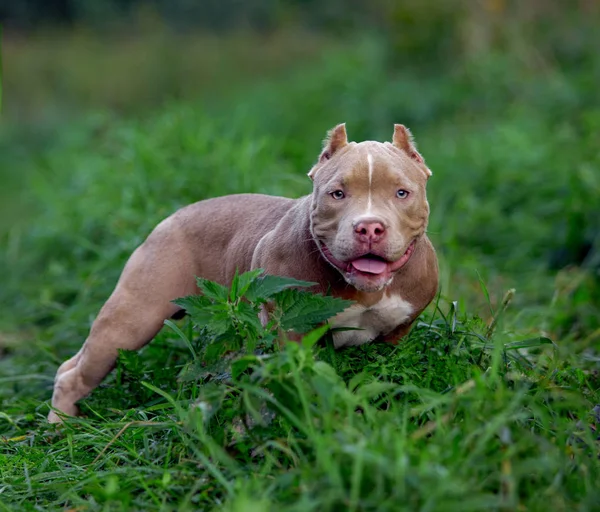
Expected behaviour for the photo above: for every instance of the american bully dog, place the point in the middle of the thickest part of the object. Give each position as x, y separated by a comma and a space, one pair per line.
360, 235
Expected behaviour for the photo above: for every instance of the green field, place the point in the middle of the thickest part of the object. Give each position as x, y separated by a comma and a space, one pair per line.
482, 407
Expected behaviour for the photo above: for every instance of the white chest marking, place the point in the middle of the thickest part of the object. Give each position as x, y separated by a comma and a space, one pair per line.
379, 319
369, 202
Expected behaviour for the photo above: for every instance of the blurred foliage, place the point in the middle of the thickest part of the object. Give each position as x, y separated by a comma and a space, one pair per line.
56, 75
502, 96
63, 55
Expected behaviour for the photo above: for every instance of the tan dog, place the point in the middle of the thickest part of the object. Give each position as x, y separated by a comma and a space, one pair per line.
360, 235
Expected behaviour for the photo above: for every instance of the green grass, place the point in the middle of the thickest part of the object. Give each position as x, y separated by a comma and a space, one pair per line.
455, 418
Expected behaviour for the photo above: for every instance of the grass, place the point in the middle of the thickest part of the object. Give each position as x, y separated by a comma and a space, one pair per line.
461, 416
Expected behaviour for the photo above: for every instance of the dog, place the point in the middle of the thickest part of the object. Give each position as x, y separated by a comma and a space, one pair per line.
360, 235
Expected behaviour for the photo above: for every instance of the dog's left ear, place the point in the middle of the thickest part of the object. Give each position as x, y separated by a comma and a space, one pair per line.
404, 140
336, 139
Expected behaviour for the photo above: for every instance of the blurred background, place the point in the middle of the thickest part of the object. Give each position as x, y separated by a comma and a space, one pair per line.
117, 112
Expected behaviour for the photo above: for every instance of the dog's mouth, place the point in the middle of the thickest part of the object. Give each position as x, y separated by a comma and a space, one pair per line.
368, 264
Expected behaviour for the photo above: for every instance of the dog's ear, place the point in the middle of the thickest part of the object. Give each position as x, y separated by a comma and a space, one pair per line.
336, 139
403, 140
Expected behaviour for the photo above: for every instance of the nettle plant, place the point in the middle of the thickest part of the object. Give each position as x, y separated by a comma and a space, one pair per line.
229, 338
244, 377
228, 320
245, 367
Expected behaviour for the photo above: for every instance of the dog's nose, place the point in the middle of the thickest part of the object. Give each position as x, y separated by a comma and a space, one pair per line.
369, 230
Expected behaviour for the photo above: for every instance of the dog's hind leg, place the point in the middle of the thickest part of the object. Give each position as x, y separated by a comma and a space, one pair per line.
157, 272
117, 327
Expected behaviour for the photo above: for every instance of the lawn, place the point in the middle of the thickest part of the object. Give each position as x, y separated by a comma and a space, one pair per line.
488, 404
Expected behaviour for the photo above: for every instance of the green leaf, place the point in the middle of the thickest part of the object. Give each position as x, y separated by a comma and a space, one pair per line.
302, 311
192, 303
358, 379
310, 339
212, 290
206, 313
234, 286
245, 280
265, 287
214, 366
164, 394
220, 322
184, 338
213, 355
242, 364
248, 313
322, 368
485, 292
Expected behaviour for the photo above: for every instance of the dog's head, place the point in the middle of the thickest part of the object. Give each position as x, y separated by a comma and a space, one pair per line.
369, 205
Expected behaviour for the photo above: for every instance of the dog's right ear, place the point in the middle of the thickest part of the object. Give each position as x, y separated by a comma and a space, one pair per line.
404, 140
336, 139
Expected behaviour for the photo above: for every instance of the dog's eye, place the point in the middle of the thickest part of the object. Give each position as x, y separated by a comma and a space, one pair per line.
402, 194
338, 194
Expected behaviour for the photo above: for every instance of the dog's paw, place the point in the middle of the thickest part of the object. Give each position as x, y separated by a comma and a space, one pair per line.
54, 418
59, 417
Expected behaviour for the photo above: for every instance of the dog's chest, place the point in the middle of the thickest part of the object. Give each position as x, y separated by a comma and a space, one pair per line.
379, 319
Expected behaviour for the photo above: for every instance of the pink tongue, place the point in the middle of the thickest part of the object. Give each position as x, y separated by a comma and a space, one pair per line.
369, 265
